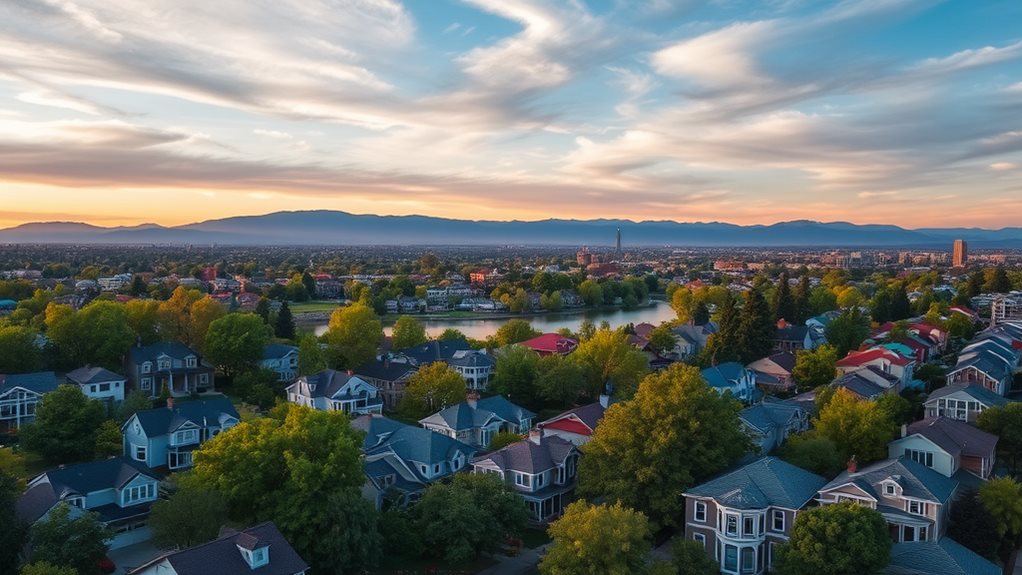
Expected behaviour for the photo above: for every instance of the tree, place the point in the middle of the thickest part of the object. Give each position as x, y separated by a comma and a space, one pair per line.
688, 557
756, 328
552, 302
354, 334
310, 284
64, 541
586, 330
608, 358
812, 452
996, 281
65, 426
821, 300
606, 539
782, 305
662, 339
850, 297
973, 526
814, 368
467, 516
143, 319
134, 401
898, 409
263, 309
683, 302
857, 427
724, 345
174, 315
504, 438
451, 334
191, 516
645, 452
12, 536
803, 303
44, 568
1006, 423
201, 315
97, 334
959, 325
19, 352
431, 389
1002, 498
108, 440
560, 380
235, 342
310, 356
285, 326
514, 331
516, 374
701, 315
591, 292
408, 332
847, 331
840, 539
339, 534
258, 387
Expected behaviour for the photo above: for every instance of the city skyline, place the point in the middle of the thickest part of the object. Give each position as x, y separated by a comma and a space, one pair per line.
882, 111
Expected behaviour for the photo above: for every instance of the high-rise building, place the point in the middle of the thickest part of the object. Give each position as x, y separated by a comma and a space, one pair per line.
961, 254
619, 241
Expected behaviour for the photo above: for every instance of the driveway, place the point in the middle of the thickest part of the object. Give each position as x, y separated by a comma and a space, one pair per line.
133, 556
522, 564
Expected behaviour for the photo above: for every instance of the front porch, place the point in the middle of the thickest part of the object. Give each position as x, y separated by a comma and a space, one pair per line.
546, 505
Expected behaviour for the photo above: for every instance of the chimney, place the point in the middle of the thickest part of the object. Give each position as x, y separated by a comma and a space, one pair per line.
904, 430
781, 324
351, 372
853, 465
536, 434
170, 403
604, 400
472, 399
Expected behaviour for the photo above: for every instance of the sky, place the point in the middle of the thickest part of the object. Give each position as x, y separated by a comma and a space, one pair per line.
119, 112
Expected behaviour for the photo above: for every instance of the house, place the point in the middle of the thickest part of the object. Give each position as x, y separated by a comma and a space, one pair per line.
20, 393
944, 557
774, 371
577, 425
99, 384
259, 549
476, 367
170, 365
791, 337
331, 390
551, 344
962, 401
885, 360
541, 469
948, 446
913, 498
867, 383
118, 489
475, 421
281, 359
741, 516
690, 339
988, 361
731, 376
771, 421
167, 436
431, 352
402, 459
389, 377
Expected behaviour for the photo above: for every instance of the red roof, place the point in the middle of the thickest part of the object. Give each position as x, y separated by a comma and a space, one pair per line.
857, 358
570, 425
551, 343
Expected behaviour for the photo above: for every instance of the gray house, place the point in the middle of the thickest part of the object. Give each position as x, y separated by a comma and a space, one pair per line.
259, 549
475, 421
167, 436
170, 365
20, 393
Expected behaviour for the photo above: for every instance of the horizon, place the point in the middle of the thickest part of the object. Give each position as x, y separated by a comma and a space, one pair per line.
492, 110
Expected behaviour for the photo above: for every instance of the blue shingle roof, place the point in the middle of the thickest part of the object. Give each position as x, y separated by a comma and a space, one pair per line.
945, 557
408, 442
39, 382
723, 375
202, 412
916, 480
982, 394
85, 478
174, 349
277, 350
766, 482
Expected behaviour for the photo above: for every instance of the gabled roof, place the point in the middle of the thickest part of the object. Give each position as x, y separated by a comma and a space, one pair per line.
435, 350
551, 343
725, 374
331, 384
770, 413
945, 557
40, 382
223, 554
784, 360
463, 416
408, 443
765, 482
955, 437
87, 375
385, 370
201, 412
173, 349
474, 358
277, 350
589, 415
527, 456
859, 385
857, 358
974, 390
916, 480
78, 479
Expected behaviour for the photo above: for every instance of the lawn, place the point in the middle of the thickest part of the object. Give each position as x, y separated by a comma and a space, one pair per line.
397, 565
313, 306
21, 464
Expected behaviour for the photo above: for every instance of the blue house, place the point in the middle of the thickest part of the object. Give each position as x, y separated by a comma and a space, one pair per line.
167, 436
475, 421
20, 393
734, 377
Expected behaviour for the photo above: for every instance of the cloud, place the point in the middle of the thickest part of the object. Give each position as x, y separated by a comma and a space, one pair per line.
1003, 166
451, 28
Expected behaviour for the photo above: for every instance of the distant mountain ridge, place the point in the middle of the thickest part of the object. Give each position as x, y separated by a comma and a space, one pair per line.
325, 227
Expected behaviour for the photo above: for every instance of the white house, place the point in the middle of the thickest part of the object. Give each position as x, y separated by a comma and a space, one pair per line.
281, 359
20, 393
331, 390
167, 436
476, 367
99, 383
734, 377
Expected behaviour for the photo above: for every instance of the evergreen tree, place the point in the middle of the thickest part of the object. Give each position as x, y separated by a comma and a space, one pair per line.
997, 281
901, 308
756, 328
783, 304
310, 285
285, 328
803, 306
701, 314
724, 344
263, 309
974, 287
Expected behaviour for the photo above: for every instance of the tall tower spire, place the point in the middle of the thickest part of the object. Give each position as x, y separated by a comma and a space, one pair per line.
619, 241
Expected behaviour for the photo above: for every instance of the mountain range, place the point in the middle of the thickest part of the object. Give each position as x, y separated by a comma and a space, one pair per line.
341, 228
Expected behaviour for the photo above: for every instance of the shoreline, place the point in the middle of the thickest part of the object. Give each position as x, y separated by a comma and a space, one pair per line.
322, 317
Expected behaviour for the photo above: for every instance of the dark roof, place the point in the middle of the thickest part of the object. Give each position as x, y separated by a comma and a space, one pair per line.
528, 456
223, 557
980, 393
385, 370
474, 358
589, 414
766, 482
916, 479
791, 332
86, 375
462, 416
956, 437
174, 349
277, 350
39, 382
202, 412
408, 442
329, 383
858, 385
784, 359
435, 350
770, 413
80, 479
724, 375
945, 557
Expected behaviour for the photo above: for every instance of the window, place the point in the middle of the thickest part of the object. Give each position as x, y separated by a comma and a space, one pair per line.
138, 493
139, 453
204, 378
76, 502
730, 558
147, 367
177, 460
700, 538
921, 534
748, 560
92, 389
523, 480
777, 520
104, 387
147, 383
190, 362
186, 436
700, 512
916, 507
749, 526
424, 470
924, 457
889, 489
731, 525
163, 364
436, 468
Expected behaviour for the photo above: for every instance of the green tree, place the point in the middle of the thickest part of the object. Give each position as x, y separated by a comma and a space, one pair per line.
815, 368
143, 319
586, 330
408, 332
847, 331
724, 345
996, 281
591, 292
451, 334
803, 300
65, 426
1002, 498
662, 339
354, 334
467, 516
98, 334
285, 326
606, 539
431, 389
44, 568
108, 440
608, 357
817, 454
514, 331
263, 309
134, 401
822, 299
258, 387
683, 302
688, 557
560, 380
504, 438
516, 374
756, 328
857, 427
310, 356
645, 452
310, 285
339, 534
189, 517
782, 305
235, 342
19, 352
12, 536
970, 524
64, 541
1006, 423
898, 409
841, 539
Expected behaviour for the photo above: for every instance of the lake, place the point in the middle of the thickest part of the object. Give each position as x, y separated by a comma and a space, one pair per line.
480, 328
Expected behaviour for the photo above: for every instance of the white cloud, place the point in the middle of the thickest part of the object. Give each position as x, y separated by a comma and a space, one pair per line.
1003, 166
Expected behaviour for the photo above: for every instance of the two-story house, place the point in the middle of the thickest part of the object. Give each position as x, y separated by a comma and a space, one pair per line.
170, 365
962, 401
431, 352
771, 421
540, 468
690, 339
577, 425
885, 360
167, 436
476, 367
475, 421
118, 489
331, 390
989, 362
734, 377
914, 499
99, 384
402, 459
948, 446
20, 393
867, 383
741, 516
260, 549
280, 359
774, 371
792, 337
389, 377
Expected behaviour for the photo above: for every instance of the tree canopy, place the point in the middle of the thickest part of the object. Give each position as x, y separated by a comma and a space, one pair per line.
189, 517
857, 427
12, 536
354, 335
605, 539
516, 375
514, 331
408, 332
608, 357
839, 539
19, 352
65, 425
235, 342
814, 368
66, 541
431, 389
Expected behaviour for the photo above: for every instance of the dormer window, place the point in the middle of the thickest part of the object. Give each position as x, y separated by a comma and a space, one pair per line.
190, 361
147, 367
76, 502
890, 489
163, 364
257, 557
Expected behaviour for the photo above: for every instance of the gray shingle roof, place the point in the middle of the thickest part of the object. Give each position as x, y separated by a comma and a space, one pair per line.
916, 480
473, 359
528, 456
435, 350
408, 442
87, 375
956, 437
80, 479
174, 349
328, 383
39, 382
385, 370
858, 385
945, 557
463, 417
770, 413
223, 557
277, 350
589, 414
980, 393
765, 482
202, 412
